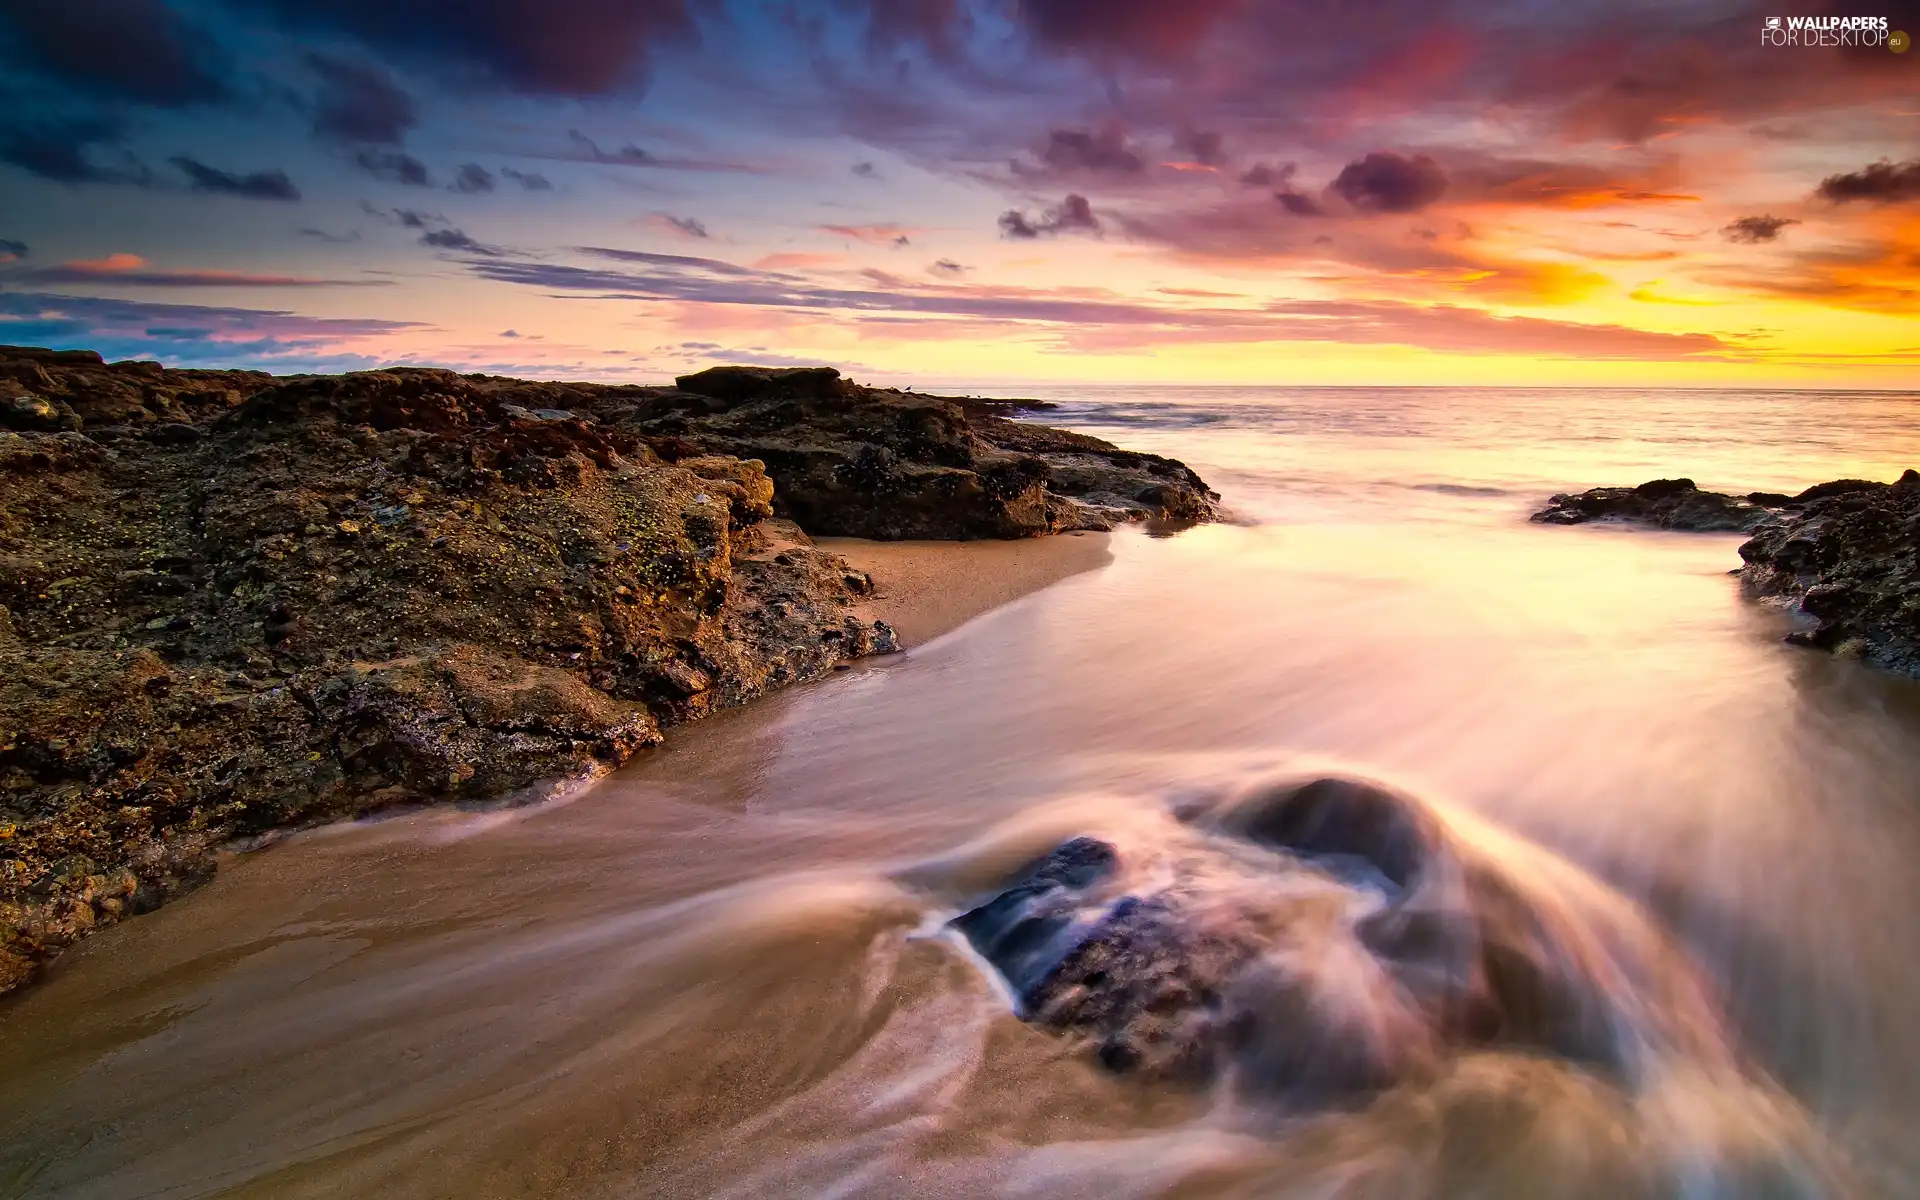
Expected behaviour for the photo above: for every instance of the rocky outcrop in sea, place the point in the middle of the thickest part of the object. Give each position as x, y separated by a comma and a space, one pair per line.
1319, 941
1843, 555
232, 603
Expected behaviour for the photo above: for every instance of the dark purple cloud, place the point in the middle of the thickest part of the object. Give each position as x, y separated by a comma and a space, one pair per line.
359, 103
544, 47
71, 150
1267, 174
134, 50
12, 250
252, 185
529, 181
1152, 29
1102, 151
394, 167
456, 240
1298, 203
1883, 182
581, 148
946, 268
473, 179
1206, 147
1390, 183
1073, 214
693, 227
1753, 230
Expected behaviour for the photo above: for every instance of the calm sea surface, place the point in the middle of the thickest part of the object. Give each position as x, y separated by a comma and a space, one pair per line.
719, 972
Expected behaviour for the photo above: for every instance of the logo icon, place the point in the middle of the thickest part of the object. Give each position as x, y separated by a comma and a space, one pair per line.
1898, 41
1773, 22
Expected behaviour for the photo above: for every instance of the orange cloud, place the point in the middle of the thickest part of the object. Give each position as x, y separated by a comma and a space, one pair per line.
112, 264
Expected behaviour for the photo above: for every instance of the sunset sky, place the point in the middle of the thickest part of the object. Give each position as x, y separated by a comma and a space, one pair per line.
1403, 192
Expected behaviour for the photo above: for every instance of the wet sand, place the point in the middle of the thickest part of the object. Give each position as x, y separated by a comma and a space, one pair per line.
925, 589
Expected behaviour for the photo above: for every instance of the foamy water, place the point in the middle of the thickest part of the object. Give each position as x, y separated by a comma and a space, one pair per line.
723, 972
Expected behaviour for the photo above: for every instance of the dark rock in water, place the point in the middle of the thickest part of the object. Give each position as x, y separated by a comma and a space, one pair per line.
1848, 558
1665, 504
1841, 553
879, 463
1317, 942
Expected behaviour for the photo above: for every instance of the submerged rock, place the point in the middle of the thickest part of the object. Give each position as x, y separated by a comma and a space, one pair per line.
1321, 941
232, 603
1665, 504
1848, 558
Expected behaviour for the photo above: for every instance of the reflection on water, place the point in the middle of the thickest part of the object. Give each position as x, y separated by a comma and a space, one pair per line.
719, 972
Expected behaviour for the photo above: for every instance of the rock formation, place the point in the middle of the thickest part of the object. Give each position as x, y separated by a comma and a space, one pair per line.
1848, 558
1320, 941
232, 603
1844, 554
1664, 504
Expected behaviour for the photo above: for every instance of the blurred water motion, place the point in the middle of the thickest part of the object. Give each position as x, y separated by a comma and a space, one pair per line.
720, 972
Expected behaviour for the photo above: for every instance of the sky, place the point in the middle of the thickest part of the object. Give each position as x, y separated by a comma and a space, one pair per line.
1582, 192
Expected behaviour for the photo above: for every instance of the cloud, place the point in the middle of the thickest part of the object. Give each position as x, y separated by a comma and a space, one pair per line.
1267, 174
456, 239
359, 103
874, 235
394, 167
63, 151
1298, 203
1205, 148
687, 227
131, 270
509, 333
1092, 319
1390, 183
791, 260
544, 47
946, 268
191, 334
1752, 230
1082, 151
530, 181
254, 185
472, 179
581, 148
132, 50
866, 170
1882, 182
321, 235
1154, 29
1073, 213
12, 250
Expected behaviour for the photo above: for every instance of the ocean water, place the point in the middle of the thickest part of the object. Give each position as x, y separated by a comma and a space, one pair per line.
721, 971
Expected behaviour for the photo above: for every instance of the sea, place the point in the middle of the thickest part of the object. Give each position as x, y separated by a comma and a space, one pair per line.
724, 971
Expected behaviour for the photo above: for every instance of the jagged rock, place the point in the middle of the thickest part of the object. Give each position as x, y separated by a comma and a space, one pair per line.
1665, 504
1847, 556
232, 603
1841, 553
879, 463
1319, 942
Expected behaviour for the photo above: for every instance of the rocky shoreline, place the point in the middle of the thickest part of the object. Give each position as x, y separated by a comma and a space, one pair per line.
1843, 555
233, 603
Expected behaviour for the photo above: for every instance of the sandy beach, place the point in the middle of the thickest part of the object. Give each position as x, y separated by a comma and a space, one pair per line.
924, 589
